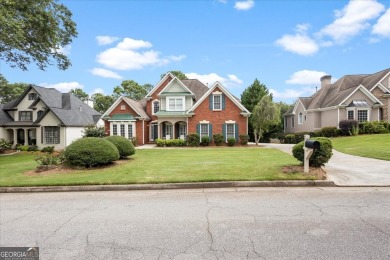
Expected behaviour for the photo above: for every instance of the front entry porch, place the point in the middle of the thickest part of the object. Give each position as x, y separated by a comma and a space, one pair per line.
22, 136
168, 130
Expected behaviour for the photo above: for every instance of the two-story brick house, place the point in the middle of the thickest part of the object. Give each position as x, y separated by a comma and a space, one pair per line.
175, 108
45, 117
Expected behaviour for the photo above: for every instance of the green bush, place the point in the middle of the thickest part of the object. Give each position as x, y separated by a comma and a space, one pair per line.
320, 156
329, 131
160, 142
170, 142
93, 131
91, 151
244, 139
205, 141
51, 158
4, 145
32, 148
347, 125
289, 139
218, 139
231, 141
23, 148
124, 145
193, 140
48, 149
373, 127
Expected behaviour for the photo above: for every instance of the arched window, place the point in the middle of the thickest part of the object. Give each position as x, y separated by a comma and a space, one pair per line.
39, 113
300, 118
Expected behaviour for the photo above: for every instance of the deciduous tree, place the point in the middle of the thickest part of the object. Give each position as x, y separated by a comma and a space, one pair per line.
177, 73
130, 89
35, 31
266, 114
102, 103
9, 91
78, 92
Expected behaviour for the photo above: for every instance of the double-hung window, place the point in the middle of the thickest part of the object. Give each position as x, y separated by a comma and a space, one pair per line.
156, 106
130, 131
204, 130
230, 131
122, 130
25, 116
350, 115
175, 104
52, 135
217, 102
300, 118
114, 129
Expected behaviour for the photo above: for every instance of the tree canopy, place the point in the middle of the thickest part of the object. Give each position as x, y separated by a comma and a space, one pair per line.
131, 89
78, 92
9, 91
102, 103
177, 73
252, 94
266, 115
35, 31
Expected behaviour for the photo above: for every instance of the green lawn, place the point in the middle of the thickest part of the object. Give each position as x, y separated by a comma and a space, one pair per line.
372, 146
162, 165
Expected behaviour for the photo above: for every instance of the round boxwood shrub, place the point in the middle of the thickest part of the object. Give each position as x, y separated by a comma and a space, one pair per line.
124, 146
218, 139
90, 152
320, 156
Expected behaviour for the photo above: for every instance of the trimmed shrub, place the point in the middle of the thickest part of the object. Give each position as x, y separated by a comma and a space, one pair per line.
373, 127
32, 148
4, 145
170, 142
51, 158
231, 141
329, 131
289, 139
218, 139
244, 139
205, 141
124, 145
48, 149
320, 156
193, 139
23, 148
160, 142
347, 125
90, 152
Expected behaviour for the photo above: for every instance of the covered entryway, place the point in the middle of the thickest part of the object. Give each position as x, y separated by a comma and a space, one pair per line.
168, 129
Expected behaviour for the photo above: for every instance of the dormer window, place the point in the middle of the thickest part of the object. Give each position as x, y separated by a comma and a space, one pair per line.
156, 106
175, 103
25, 115
32, 96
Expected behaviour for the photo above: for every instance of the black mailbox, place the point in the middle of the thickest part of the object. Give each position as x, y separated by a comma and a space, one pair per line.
312, 144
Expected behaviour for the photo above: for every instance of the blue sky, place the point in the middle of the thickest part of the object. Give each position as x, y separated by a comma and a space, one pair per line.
287, 45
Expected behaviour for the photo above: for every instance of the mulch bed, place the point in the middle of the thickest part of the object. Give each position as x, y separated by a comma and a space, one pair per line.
318, 173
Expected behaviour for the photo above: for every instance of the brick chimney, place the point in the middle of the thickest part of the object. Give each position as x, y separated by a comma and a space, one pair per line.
325, 80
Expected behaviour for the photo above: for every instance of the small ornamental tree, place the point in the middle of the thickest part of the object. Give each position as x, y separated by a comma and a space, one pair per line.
93, 131
124, 146
320, 156
91, 152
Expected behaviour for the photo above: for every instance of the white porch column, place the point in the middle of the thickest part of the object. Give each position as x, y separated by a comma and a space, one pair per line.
25, 136
15, 137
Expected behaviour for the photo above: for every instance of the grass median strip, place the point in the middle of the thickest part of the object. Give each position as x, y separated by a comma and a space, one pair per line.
160, 166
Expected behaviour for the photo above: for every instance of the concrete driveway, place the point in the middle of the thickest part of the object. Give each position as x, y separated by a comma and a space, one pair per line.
349, 170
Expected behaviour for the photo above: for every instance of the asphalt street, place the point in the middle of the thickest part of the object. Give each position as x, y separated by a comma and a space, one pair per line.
240, 223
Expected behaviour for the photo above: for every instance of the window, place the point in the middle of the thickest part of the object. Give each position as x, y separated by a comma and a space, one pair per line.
39, 113
362, 116
156, 107
176, 104
25, 116
122, 130
114, 130
182, 130
350, 115
52, 135
300, 119
229, 131
123, 107
217, 104
168, 131
204, 130
32, 96
130, 131
292, 122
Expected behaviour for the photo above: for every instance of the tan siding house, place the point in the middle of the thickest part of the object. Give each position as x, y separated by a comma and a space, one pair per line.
363, 97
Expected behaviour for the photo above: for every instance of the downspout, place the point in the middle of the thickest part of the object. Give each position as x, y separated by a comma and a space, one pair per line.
143, 131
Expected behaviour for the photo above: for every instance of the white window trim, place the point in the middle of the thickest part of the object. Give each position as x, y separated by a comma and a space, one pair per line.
126, 123
123, 107
200, 129
363, 109
353, 110
178, 97
234, 130
220, 102
155, 101
300, 118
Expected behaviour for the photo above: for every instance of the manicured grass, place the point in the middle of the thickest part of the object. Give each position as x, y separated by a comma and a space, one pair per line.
372, 146
162, 165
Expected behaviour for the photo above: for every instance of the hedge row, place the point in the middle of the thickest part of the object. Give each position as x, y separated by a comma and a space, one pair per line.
346, 127
194, 140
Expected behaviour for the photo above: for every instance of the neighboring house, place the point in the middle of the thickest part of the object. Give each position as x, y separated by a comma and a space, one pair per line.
364, 97
45, 117
175, 108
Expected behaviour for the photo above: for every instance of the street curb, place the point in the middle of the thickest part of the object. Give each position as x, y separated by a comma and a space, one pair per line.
170, 186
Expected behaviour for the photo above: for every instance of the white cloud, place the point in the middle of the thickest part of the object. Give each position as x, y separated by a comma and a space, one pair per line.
63, 86
299, 43
105, 73
289, 94
97, 90
244, 5
306, 77
210, 79
382, 27
105, 40
64, 50
126, 56
353, 19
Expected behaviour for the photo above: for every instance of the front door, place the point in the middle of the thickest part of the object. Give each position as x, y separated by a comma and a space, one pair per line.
154, 132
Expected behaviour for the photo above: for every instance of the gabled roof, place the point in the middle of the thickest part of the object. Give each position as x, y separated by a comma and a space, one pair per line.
226, 92
135, 105
168, 75
4, 117
180, 83
196, 87
335, 94
70, 110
